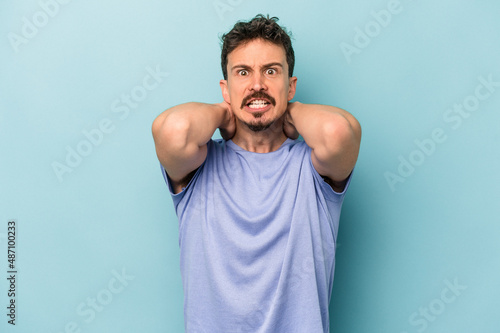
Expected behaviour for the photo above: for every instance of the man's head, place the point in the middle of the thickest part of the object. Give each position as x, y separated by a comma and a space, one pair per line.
257, 63
260, 27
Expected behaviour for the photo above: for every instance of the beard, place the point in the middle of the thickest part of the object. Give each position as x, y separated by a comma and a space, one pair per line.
258, 125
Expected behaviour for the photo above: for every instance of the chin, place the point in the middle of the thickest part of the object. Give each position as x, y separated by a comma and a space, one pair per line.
259, 127
257, 124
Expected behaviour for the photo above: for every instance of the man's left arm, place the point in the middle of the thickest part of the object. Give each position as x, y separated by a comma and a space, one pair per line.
334, 136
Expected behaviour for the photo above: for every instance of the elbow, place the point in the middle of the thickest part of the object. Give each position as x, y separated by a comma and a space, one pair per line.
170, 131
341, 132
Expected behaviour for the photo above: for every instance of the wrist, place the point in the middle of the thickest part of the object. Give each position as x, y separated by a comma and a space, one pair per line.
221, 109
292, 111
227, 125
288, 123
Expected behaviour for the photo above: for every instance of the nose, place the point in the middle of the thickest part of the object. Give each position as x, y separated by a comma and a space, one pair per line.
258, 82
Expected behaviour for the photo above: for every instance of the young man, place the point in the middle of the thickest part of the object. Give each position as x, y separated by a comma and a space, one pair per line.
258, 210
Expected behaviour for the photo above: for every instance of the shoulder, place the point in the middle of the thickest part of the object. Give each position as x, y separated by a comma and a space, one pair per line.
216, 148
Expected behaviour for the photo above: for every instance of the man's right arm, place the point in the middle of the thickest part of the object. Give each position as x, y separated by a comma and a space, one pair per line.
181, 134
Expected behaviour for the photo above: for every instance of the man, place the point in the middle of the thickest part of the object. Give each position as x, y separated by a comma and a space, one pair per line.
259, 209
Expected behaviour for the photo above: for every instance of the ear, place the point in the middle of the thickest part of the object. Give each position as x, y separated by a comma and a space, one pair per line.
292, 85
225, 91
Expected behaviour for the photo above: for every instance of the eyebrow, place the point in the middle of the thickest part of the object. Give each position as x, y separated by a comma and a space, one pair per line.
271, 64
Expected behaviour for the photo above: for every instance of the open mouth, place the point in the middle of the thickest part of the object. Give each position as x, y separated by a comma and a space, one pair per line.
258, 101
258, 105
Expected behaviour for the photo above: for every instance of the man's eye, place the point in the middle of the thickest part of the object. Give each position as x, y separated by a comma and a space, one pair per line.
271, 71
243, 72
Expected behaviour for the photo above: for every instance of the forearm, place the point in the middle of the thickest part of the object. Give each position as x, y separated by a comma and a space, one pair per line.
190, 123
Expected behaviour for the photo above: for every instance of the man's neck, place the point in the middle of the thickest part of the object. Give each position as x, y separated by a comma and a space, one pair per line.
265, 141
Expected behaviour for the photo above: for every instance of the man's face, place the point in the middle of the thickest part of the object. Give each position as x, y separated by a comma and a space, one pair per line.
258, 87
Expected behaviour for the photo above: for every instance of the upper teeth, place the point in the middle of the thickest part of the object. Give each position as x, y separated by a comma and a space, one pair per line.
258, 103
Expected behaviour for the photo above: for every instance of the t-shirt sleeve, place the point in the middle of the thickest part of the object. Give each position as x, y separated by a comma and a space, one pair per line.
327, 190
177, 197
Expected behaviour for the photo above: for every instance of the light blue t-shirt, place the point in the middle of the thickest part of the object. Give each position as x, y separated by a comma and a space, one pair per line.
257, 235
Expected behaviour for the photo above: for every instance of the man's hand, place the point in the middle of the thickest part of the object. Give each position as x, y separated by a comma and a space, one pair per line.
228, 126
288, 126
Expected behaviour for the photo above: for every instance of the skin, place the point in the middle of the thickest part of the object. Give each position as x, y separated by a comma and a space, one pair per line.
257, 68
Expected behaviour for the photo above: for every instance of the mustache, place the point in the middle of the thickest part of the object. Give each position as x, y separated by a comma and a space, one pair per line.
258, 94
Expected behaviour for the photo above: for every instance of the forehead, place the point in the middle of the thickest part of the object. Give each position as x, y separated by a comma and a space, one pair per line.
257, 52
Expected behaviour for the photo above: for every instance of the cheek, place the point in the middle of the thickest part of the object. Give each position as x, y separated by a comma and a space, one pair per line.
234, 93
232, 96
235, 100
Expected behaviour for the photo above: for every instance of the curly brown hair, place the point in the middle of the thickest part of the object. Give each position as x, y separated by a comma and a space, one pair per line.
259, 27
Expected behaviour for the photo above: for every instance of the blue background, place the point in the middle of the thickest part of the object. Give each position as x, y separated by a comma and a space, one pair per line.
401, 246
